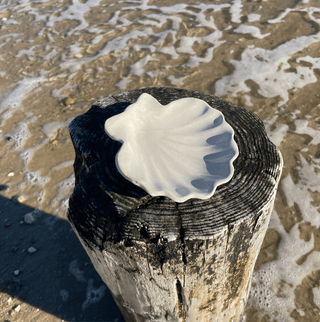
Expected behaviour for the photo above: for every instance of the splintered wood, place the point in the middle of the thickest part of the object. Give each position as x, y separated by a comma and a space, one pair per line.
168, 261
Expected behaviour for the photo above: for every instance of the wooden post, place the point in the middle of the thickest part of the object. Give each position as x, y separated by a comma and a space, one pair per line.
168, 261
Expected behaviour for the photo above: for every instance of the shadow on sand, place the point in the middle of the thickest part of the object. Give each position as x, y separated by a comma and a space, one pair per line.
58, 277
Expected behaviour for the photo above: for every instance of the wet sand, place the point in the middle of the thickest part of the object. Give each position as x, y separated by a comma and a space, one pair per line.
58, 57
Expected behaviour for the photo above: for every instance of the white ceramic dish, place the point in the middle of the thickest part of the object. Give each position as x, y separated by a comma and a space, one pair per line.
182, 150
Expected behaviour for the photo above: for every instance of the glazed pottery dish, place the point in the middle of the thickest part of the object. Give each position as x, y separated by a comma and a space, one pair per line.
182, 150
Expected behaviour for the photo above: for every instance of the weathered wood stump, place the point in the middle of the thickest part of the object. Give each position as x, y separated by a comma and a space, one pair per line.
168, 261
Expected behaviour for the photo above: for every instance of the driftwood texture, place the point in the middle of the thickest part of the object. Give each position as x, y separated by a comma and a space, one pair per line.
167, 261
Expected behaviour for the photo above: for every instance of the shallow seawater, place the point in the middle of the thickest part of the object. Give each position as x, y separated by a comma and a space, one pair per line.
263, 55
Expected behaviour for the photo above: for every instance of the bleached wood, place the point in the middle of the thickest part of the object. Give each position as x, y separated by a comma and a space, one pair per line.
167, 261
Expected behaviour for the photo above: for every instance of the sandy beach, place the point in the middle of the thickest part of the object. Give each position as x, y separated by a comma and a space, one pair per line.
58, 57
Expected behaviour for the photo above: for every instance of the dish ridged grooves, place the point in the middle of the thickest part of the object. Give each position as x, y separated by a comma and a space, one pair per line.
217, 239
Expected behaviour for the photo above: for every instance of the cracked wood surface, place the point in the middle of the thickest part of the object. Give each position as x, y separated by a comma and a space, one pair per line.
167, 261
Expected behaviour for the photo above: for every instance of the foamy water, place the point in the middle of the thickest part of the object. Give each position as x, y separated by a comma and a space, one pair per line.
263, 55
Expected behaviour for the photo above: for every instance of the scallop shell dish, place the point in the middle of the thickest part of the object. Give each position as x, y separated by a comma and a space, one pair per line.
182, 150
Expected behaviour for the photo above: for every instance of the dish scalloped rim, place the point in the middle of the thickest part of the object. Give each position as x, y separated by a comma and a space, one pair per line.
144, 116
